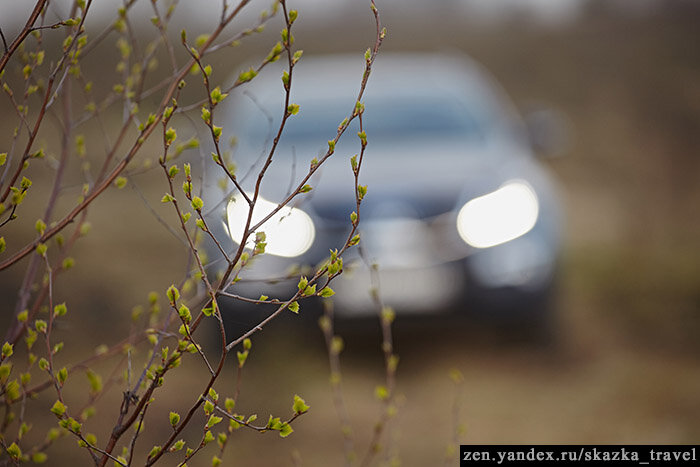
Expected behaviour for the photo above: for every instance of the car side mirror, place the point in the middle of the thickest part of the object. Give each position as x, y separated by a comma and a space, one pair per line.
548, 131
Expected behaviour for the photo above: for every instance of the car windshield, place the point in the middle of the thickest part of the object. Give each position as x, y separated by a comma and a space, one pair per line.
386, 118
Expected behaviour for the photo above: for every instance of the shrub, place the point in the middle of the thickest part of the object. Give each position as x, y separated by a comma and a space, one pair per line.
44, 78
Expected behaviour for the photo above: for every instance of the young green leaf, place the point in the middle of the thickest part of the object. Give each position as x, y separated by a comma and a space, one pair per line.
7, 350
242, 357
230, 404
62, 375
60, 310
173, 294
58, 409
286, 430
299, 405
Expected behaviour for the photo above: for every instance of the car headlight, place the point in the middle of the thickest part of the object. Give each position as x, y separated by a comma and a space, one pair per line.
500, 216
289, 233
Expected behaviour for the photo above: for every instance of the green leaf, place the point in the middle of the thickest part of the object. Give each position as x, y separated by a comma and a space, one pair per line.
326, 292
361, 191
174, 418
305, 189
75, 426
363, 137
68, 263
274, 54
294, 307
230, 404
206, 115
388, 315
40, 226
167, 198
173, 294
274, 423
95, 382
5, 370
60, 310
120, 182
217, 96
337, 345
41, 249
299, 405
335, 267
167, 114
154, 451
208, 407
178, 445
381, 393
170, 135
303, 283
7, 350
216, 131
247, 344
173, 170
213, 420
14, 451
293, 109
62, 376
201, 40
197, 203
208, 437
184, 313
58, 409
286, 430
242, 357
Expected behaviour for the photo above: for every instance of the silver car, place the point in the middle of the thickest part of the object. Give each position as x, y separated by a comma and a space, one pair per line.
460, 215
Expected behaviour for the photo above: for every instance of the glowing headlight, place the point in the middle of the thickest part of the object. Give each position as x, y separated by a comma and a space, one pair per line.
289, 233
500, 216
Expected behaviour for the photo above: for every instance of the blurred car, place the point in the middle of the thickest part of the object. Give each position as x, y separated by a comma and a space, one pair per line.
460, 214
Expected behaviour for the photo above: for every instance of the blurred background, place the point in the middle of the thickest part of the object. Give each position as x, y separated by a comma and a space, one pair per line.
623, 365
